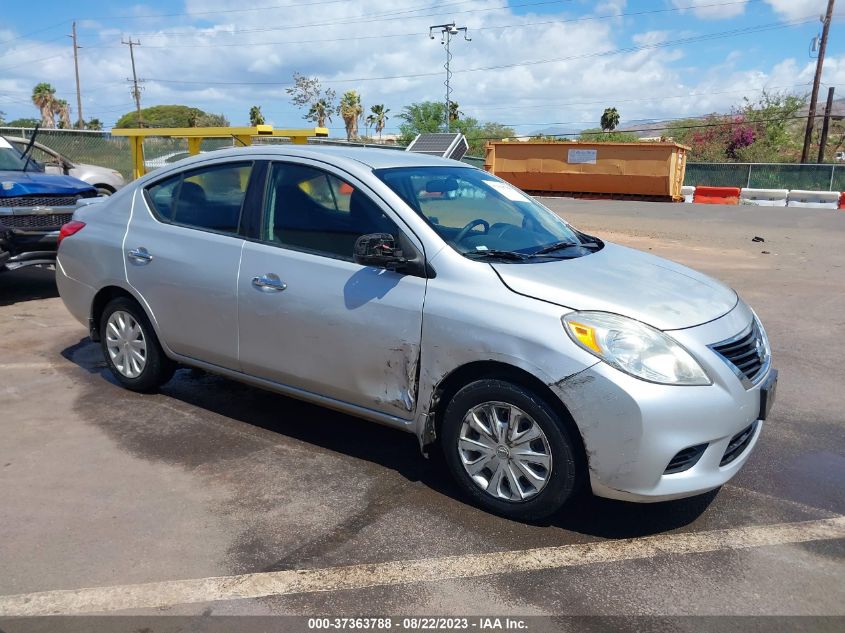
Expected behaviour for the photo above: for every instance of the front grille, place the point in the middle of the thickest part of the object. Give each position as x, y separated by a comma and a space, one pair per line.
61, 200
746, 352
39, 221
738, 444
685, 459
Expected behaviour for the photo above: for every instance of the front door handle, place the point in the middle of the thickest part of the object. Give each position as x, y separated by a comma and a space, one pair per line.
140, 255
269, 283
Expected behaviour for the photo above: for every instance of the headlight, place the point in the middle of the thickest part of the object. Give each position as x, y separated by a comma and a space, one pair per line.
634, 347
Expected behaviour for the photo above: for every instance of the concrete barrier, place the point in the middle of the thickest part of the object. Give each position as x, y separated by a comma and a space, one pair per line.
764, 197
813, 199
716, 195
688, 193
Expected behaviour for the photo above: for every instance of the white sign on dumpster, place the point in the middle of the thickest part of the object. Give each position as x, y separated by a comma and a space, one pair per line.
583, 156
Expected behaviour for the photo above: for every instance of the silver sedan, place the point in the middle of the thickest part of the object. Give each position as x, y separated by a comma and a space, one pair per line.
430, 296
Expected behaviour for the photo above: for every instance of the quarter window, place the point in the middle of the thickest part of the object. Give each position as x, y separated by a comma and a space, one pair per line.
312, 210
209, 198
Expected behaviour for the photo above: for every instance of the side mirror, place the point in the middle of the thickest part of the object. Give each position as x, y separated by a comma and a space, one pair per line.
378, 249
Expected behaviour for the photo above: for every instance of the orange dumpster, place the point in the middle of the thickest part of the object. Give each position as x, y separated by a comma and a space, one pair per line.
616, 170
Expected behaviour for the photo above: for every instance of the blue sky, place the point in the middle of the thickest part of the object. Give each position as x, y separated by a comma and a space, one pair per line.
531, 64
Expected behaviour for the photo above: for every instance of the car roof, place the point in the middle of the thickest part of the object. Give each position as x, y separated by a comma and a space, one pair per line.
373, 157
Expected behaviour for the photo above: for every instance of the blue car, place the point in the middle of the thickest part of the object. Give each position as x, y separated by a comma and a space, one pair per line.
33, 207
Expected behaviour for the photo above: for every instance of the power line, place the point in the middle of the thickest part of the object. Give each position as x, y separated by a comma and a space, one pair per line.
631, 49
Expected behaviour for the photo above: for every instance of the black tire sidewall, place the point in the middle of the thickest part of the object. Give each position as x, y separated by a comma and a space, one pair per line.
158, 368
565, 479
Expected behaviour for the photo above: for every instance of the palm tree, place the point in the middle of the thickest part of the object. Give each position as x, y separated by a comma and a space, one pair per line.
378, 118
320, 112
609, 119
350, 109
61, 108
44, 98
255, 116
94, 124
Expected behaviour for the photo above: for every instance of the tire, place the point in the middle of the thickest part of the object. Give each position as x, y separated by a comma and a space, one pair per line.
104, 190
503, 486
131, 347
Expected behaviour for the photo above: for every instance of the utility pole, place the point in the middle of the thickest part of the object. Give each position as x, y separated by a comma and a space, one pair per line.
136, 91
814, 97
826, 125
446, 33
81, 122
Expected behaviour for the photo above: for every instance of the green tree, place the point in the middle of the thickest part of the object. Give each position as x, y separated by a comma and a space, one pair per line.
172, 116
255, 116
24, 122
609, 119
596, 135
420, 118
44, 98
778, 131
94, 124
378, 118
307, 92
478, 135
350, 110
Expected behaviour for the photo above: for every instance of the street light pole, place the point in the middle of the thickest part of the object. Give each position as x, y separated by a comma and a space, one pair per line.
446, 33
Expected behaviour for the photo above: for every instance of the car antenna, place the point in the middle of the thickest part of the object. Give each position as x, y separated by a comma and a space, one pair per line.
28, 151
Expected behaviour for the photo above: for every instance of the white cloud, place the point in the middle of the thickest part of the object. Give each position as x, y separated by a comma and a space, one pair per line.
266, 47
795, 9
713, 9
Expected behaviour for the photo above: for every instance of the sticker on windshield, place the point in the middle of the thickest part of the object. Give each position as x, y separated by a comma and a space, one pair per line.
5, 144
506, 190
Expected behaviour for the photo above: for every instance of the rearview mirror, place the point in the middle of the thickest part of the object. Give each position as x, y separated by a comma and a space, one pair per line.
442, 185
378, 249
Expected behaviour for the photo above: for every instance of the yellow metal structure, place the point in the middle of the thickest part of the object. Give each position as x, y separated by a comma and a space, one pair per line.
196, 135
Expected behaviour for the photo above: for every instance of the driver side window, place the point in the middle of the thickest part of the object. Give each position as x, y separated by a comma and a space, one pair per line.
315, 211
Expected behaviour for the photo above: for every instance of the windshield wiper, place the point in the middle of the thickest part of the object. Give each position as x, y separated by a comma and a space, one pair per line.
560, 245
496, 254
28, 151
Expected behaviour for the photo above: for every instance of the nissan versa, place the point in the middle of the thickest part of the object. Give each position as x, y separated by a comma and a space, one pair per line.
430, 296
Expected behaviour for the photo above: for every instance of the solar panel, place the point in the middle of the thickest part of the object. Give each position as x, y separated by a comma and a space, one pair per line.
447, 145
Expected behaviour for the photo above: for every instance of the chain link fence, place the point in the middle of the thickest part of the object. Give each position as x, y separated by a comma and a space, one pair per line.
767, 176
105, 150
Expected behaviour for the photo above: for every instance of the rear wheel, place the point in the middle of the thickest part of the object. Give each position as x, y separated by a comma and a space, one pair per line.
131, 348
509, 450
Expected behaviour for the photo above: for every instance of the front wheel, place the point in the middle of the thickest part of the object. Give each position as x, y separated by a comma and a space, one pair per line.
509, 450
131, 348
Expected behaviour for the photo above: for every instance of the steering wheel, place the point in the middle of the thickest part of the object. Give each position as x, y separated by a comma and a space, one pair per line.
470, 226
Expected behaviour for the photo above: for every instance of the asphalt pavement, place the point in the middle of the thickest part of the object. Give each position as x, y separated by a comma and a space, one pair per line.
144, 500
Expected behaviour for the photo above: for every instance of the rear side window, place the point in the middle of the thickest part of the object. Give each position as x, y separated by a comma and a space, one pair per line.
209, 198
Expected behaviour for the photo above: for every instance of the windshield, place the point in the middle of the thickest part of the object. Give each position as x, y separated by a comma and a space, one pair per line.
12, 160
478, 214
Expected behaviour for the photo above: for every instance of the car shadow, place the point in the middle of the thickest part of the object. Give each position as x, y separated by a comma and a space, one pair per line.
388, 447
27, 284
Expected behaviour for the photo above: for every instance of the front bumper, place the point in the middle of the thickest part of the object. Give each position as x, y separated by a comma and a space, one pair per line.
632, 429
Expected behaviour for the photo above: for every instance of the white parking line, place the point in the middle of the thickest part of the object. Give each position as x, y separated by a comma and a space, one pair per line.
280, 583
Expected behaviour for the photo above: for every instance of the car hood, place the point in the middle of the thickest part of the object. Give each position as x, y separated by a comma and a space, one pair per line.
624, 281
20, 183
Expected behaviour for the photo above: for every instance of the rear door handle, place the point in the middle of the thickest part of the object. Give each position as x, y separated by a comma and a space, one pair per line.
140, 255
269, 283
